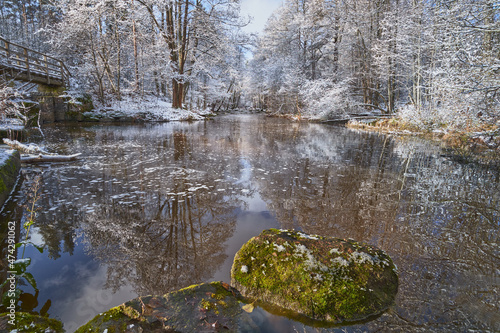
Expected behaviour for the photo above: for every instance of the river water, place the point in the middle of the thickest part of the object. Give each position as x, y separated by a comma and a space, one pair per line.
153, 208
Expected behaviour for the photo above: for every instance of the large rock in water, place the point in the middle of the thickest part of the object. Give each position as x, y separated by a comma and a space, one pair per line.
208, 307
323, 278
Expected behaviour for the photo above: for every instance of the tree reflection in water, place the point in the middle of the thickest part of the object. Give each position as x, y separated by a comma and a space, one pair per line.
158, 204
438, 219
165, 242
158, 218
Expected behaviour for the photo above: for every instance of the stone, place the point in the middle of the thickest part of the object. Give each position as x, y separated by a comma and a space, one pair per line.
10, 165
208, 307
323, 278
27, 322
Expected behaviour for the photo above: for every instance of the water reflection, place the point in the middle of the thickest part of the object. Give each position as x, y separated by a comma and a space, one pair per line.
163, 206
439, 220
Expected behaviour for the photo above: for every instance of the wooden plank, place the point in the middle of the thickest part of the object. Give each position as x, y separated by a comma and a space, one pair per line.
26, 64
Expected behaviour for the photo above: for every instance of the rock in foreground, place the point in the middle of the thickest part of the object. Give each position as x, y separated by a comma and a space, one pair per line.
322, 278
10, 164
213, 307
27, 322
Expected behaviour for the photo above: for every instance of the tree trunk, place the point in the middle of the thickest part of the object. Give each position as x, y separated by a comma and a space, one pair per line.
136, 61
177, 94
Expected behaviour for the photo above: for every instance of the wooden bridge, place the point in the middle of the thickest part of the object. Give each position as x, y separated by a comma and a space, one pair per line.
23, 64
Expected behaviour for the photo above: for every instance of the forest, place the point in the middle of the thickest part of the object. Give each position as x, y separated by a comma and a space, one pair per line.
105, 211
433, 63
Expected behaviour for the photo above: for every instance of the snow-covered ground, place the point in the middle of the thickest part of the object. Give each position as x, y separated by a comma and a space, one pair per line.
150, 109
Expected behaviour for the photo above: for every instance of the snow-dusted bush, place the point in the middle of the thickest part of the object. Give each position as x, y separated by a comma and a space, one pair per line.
325, 99
10, 105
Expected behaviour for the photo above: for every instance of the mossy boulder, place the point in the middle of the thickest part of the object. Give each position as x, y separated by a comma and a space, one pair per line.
78, 108
209, 307
27, 322
10, 165
323, 278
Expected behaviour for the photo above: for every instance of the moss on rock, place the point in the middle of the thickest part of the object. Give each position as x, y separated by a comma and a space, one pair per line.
211, 307
323, 278
10, 164
27, 322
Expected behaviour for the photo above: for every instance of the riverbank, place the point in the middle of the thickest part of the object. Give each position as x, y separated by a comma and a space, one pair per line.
145, 109
206, 187
476, 144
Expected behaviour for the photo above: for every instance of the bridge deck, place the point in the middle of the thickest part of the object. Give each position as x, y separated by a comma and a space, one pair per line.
21, 63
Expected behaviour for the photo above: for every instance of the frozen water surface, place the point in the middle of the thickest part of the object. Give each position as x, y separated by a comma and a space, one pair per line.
157, 207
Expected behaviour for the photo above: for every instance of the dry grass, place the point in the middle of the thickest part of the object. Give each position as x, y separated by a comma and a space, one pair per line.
479, 143
386, 125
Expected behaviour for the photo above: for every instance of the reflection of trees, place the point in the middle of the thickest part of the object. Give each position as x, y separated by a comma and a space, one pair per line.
166, 244
56, 226
448, 224
15, 212
328, 183
156, 204
437, 219
151, 207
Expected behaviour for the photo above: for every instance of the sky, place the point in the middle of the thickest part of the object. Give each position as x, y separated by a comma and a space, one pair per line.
260, 10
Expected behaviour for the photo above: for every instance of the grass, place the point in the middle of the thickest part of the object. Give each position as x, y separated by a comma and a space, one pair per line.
476, 143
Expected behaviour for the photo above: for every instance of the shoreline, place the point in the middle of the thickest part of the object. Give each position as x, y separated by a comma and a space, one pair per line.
472, 146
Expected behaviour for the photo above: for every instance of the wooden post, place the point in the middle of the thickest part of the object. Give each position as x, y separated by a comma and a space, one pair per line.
61, 66
7, 54
46, 69
7, 49
27, 61
9, 60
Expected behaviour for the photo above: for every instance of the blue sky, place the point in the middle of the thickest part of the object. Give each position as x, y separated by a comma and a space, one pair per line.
260, 10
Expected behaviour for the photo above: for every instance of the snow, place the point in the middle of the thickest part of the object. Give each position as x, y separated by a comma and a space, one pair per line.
310, 262
279, 248
12, 124
302, 235
150, 108
30, 148
5, 155
341, 261
336, 251
361, 257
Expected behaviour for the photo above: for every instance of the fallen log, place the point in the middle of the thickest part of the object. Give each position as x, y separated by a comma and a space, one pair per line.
49, 158
346, 120
29, 148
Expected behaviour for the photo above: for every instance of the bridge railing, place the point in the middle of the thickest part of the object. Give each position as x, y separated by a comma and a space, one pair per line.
33, 64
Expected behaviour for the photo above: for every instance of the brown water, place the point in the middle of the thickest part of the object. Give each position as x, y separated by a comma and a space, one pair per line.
153, 208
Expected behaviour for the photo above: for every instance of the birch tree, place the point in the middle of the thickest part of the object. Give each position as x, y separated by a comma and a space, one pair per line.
190, 30
434, 63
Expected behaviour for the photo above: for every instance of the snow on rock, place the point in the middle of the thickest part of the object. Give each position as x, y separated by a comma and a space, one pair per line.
323, 278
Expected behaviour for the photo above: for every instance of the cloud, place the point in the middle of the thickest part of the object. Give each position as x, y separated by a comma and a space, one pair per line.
259, 10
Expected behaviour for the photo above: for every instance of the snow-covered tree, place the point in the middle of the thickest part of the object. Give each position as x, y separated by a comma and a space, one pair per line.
435, 62
181, 49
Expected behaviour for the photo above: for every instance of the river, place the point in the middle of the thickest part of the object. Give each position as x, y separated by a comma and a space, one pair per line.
153, 208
